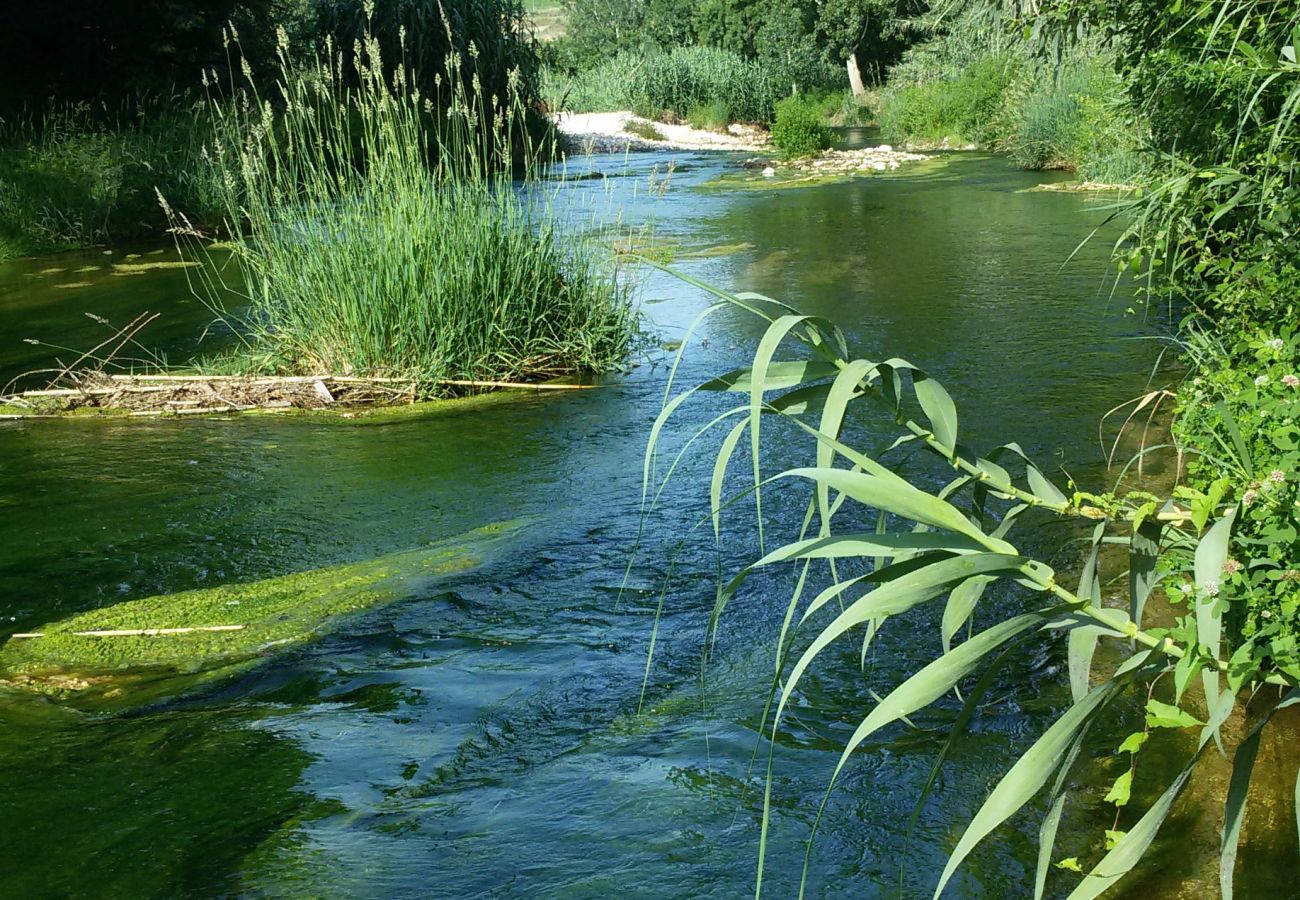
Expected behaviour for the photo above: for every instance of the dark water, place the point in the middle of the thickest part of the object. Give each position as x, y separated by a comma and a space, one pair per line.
483, 740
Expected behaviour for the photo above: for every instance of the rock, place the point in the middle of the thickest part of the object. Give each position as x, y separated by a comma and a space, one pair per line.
885, 148
769, 172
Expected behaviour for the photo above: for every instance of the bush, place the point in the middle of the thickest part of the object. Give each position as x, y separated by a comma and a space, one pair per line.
798, 129
1238, 421
713, 116
963, 108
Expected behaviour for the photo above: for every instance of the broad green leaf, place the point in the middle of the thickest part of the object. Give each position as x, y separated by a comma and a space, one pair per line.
960, 606
1122, 789
1133, 743
1211, 554
938, 408
1162, 715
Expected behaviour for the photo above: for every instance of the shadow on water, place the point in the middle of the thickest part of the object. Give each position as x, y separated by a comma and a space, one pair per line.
483, 739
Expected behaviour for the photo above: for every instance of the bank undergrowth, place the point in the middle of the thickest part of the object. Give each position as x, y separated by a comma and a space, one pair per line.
78, 174
671, 84
382, 232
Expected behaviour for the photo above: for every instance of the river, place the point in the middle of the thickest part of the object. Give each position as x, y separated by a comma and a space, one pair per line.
482, 740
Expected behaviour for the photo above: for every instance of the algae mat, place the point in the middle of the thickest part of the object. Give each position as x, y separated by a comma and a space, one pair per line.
256, 620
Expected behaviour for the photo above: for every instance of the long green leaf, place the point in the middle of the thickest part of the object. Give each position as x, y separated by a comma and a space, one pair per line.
870, 544
899, 498
1144, 553
1052, 821
935, 680
777, 376
960, 606
1211, 554
1243, 764
898, 596
938, 408
1082, 642
1027, 777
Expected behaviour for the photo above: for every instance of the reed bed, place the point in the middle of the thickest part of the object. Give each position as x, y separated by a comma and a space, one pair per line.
380, 232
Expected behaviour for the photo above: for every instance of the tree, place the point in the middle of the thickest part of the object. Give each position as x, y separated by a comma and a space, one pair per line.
852, 31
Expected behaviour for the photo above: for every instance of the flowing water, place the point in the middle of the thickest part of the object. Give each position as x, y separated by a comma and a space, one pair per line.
482, 738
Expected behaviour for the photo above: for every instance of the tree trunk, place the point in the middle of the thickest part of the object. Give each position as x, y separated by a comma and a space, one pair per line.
855, 74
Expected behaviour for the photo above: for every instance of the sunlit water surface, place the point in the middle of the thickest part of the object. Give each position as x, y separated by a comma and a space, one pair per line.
482, 739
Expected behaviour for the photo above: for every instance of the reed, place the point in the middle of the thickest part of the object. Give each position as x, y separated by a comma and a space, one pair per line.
383, 232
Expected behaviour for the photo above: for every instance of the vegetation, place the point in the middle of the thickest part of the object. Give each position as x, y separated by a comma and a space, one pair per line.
674, 83
80, 174
276, 612
955, 544
1197, 106
130, 119
360, 256
798, 129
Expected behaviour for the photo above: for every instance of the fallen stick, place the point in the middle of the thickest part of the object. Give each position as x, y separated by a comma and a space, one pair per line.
137, 632
539, 386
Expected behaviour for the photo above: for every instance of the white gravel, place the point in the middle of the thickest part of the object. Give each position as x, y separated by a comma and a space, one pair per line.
605, 133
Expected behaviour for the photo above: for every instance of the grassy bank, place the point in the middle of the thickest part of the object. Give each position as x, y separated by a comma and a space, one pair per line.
1073, 116
83, 174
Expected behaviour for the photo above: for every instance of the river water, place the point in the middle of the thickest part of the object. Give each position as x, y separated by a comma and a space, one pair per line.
482, 739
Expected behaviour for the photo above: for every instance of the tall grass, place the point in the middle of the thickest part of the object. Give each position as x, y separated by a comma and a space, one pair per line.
80, 174
673, 83
380, 232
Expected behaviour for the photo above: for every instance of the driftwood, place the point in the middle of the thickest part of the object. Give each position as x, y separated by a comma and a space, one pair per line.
135, 632
165, 395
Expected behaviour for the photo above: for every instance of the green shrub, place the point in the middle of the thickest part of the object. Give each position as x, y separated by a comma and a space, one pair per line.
713, 116
798, 129
646, 130
963, 108
1238, 421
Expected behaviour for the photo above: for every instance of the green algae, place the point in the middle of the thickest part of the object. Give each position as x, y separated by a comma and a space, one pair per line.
276, 613
718, 250
782, 182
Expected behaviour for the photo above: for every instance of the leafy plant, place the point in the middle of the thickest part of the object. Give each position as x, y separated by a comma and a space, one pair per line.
798, 129
875, 546
713, 116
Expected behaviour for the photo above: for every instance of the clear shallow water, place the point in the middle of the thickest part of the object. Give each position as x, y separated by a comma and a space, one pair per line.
481, 739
